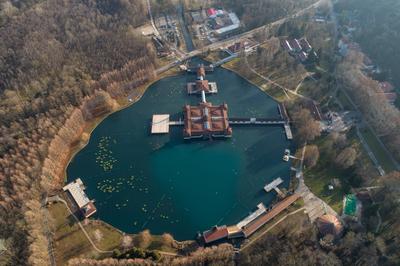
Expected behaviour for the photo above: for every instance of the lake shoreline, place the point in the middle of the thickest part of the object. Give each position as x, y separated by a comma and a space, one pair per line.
90, 126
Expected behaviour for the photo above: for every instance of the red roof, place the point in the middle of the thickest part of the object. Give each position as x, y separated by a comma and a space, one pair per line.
211, 11
215, 233
263, 219
202, 85
89, 209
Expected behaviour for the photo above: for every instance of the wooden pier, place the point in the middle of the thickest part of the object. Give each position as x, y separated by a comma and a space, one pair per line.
160, 124
193, 69
274, 186
177, 123
256, 121
288, 131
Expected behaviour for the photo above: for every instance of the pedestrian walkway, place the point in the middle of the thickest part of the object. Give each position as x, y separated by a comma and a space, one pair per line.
315, 207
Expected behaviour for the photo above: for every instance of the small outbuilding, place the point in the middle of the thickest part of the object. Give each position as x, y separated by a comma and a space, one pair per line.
329, 224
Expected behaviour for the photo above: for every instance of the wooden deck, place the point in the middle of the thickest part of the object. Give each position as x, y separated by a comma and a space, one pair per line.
273, 184
160, 124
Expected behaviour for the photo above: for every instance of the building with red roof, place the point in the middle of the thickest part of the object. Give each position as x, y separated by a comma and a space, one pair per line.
214, 234
206, 121
211, 12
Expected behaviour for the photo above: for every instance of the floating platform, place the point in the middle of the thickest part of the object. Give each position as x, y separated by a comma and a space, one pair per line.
273, 184
160, 124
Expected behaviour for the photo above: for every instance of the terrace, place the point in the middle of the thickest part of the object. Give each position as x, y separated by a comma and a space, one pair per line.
76, 191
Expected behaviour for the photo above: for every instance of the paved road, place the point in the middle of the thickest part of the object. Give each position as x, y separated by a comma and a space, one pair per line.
229, 41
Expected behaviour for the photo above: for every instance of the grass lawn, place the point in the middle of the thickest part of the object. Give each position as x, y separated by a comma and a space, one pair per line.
376, 148
271, 90
71, 242
215, 56
318, 179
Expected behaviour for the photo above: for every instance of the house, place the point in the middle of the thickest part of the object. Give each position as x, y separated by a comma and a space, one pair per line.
300, 49
303, 56
247, 45
76, 191
295, 44
206, 121
211, 12
305, 45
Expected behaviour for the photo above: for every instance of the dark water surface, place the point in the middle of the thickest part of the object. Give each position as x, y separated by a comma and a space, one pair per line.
165, 184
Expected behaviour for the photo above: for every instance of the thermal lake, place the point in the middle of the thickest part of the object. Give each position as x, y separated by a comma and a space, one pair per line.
166, 184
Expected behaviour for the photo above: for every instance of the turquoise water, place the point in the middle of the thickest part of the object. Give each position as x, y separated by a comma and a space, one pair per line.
165, 184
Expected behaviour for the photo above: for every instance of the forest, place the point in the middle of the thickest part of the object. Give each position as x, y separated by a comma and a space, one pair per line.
66, 63
377, 26
62, 63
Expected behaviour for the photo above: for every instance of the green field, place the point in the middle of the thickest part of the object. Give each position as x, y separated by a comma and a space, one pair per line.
318, 179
